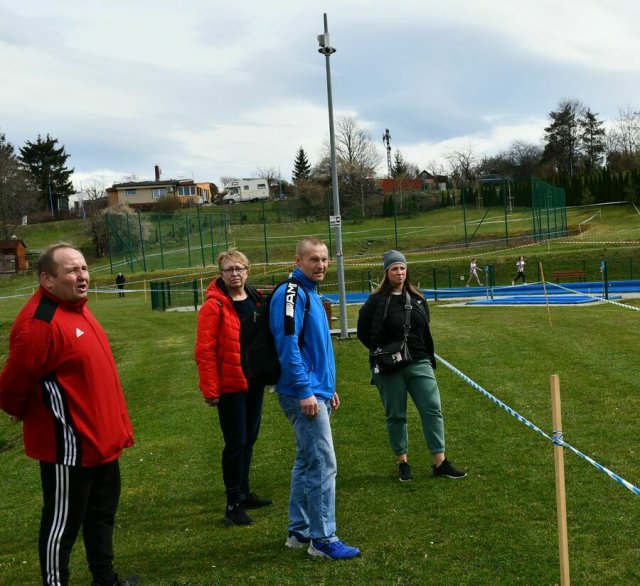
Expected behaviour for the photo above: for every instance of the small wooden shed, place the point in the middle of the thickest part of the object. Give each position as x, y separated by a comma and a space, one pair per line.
13, 256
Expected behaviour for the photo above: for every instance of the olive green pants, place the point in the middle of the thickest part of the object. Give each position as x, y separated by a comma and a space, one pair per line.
418, 380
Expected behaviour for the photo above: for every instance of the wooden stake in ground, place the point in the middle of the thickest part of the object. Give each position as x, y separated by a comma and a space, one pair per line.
561, 504
544, 288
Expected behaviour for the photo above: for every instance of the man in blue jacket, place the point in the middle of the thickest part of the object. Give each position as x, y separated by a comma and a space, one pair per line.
306, 391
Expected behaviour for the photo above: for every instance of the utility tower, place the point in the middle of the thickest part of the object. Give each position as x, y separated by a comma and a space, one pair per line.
386, 139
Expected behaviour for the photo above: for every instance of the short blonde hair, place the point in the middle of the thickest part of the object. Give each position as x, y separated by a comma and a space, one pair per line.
234, 254
307, 241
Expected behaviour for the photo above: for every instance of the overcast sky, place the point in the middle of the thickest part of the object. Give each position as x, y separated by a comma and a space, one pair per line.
211, 88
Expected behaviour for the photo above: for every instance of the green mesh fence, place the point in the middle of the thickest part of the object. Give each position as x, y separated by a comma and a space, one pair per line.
524, 208
494, 211
165, 294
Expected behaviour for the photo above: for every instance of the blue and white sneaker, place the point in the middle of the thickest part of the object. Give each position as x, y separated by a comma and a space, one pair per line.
334, 550
296, 540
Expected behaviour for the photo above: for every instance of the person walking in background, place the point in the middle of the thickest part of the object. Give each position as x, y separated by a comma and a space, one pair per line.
520, 272
382, 319
120, 281
61, 380
473, 272
229, 299
307, 395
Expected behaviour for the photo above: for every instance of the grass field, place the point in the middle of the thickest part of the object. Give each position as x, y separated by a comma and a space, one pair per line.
498, 526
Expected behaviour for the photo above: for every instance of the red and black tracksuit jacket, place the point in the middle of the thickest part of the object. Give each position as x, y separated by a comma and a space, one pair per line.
61, 379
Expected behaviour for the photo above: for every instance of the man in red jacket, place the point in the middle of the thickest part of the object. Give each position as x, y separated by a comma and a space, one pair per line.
61, 380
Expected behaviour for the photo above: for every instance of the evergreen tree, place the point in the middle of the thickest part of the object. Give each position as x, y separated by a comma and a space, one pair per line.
399, 167
563, 137
18, 195
301, 166
47, 164
592, 136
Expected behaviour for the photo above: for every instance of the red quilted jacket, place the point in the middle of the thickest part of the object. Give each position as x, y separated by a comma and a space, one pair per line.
217, 350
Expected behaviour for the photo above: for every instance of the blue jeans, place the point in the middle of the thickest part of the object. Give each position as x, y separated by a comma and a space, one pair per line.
312, 502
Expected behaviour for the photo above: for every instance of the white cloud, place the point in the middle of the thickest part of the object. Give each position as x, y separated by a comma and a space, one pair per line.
218, 87
255, 140
499, 138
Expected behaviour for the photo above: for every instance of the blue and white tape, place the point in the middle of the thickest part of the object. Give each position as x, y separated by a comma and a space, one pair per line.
557, 437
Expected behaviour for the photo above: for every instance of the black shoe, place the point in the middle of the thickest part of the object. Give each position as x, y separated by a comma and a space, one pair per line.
235, 515
446, 469
404, 472
130, 581
253, 501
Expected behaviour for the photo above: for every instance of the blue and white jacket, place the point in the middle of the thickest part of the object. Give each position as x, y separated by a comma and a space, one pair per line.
310, 370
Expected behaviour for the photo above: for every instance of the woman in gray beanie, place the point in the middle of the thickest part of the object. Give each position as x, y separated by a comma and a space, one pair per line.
382, 320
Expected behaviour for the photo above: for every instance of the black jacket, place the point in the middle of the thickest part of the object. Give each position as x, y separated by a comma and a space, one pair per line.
373, 333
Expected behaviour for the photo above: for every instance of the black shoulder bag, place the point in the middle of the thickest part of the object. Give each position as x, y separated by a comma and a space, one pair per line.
393, 355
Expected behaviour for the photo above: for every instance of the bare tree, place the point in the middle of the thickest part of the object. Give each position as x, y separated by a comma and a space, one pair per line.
463, 164
525, 157
94, 203
357, 158
627, 130
225, 180
435, 169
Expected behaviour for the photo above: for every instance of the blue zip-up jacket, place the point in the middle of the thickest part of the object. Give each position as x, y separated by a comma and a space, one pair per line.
310, 370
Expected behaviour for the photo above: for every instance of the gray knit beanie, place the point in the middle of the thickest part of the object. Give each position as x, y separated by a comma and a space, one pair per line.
393, 257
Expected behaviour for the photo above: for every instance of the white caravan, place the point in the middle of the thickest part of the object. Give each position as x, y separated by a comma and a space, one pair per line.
246, 190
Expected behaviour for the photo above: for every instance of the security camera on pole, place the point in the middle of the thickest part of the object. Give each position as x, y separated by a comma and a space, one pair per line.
327, 50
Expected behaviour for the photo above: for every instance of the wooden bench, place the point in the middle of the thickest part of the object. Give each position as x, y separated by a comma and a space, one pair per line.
557, 275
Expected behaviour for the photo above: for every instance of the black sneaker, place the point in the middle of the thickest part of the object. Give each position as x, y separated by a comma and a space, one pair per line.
404, 472
253, 501
235, 515
446, 469
130, 581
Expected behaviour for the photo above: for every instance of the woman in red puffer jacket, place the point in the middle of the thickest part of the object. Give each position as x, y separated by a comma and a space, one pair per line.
228, 300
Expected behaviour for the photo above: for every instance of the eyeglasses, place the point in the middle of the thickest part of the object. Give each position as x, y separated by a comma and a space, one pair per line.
238, 270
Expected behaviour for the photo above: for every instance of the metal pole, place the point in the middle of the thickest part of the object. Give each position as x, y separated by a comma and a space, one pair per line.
129, 241
464, 214
605, 279
160, 240
506, 220
264, 232
327, 50
395, 217
141, 236
186, 223
109, 242
329, 226
435, 284
212, 219
204, 264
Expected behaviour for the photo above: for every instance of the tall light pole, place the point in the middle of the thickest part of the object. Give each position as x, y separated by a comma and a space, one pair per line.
327, 50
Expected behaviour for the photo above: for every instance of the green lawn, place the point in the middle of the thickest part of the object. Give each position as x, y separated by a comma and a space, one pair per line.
498, 526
